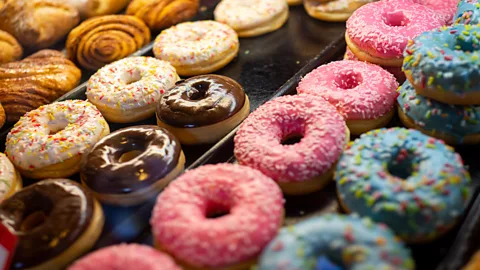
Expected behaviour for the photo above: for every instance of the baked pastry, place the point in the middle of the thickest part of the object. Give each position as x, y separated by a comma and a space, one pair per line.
474, 263
102, 40
92, 8
3, 117
10, 49
160, 14
37, 24
34, 81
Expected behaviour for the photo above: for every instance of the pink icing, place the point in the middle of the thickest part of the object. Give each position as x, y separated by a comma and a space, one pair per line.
254, 204
258, 140
444, 8
125, 257
359, 90
383, 28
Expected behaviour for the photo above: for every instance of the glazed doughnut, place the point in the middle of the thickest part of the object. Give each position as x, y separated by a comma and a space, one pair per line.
395, 71
187, 220
333, 10
468, 12
10, 179
363, 93
123, 256
452, 123
49, 142
445, 9
443, 64
262, 142
415, 184
55, 221
378, 32
252, 17
196, 48
203, 109
128, 90
323, 241
131, 165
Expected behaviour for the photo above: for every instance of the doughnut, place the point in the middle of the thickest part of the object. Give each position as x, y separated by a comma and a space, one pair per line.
10, 179
474, 262
363, 93
443, 64
131, 165
333, 11
294, 2
251, 18
341, 242
128, 90
125, 256
414, 183
49, 142
217, 217
196, 48
378, 32
203, 109
55, 221
445, 9
453, 124
395, 71
468, 12
264, 142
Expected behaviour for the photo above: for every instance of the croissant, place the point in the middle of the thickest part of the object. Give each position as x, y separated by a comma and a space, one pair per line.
160, 14
37, 24
91, 8
102, 40
10, 49
34, 81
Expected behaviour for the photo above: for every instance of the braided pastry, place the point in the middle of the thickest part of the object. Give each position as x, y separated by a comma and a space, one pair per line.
10, 50
92, 8
34, 81
102, 40
2, 116
160, 14
37, 24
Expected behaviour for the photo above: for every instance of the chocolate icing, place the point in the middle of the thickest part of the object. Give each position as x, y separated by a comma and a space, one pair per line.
104, 172
67, 208
200, 101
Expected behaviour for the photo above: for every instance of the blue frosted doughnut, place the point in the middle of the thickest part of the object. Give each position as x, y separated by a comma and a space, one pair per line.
451, 123
335, 242
468, 12
414, 183
445, 60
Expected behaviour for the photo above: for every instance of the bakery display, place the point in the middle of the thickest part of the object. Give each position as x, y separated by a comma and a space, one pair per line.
200, 226
161, 14
55, 221
105, 39
363, 93
34, 81
128, 90
132, 165
93, 8
10, 49
10, 179
333, 10
203, 109
37, 24
252, 17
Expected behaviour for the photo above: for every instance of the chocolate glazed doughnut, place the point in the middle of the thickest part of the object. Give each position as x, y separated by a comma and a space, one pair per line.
203, 109
55, 220
132, 165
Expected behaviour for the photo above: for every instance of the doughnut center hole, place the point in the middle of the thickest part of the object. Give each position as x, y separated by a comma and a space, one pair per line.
329, 262
125, 157
292, 139
56, 126
348, 80
198, 90
132, 76
401, 166
395, 19
33, 221
216, 210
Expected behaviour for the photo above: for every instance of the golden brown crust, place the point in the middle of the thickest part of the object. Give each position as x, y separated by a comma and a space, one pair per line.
160, 14
37, 24
92, 8
34, 81
10, 49
2, 116
102, 40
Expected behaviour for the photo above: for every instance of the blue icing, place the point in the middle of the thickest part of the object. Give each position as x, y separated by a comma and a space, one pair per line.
436, 117
468, 12
355, 243
446, 59
427, 194
323, 263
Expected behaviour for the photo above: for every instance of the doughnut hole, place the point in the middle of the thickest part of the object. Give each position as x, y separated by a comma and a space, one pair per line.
133, 149
329, 261
348, 79
291, 132
57, 125
127, 156
395, 19
37, 215
198, 90
219, 205
131, 76
401, 164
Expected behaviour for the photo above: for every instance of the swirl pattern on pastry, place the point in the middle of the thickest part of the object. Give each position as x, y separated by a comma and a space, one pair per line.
92, 8
10, 49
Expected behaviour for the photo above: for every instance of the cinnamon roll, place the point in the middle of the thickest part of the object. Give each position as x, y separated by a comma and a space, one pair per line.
160, 14
34, 81
10, 49
92, 8
102, 40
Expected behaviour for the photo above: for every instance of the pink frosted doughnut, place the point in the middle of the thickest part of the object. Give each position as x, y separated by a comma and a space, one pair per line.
305, 166
444, 8
125, 257
183, 222
378, 32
